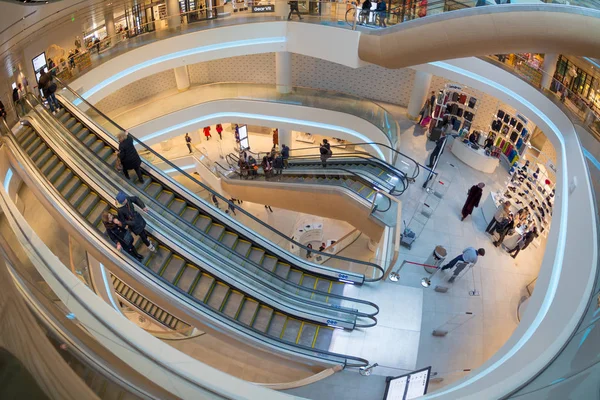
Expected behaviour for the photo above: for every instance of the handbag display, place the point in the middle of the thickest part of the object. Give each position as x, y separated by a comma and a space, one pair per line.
513, 122
513, 136
462, 98
455, 96
472, 102
506, 118
459, 112
519, 126
500, 114
468, 115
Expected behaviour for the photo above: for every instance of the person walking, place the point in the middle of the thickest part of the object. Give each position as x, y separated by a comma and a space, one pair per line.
504, 228
131, 219
501, 213
473, 198
207, 132
524, 242
267, 207
120, 236
130, 159
188, 142
215, 201
325, 151
294, 8
19, 103
275, 137
220, 131
322, 247
236, 133
469, 255
285, 153
425, 110
2, 111
48, 87
230, 207
437, 151
309, 252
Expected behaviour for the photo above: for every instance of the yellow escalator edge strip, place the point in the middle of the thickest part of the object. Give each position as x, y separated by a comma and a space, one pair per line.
284, 326
315, 338
300, 332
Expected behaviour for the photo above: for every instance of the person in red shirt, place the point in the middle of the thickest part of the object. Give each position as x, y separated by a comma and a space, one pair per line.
207, 132
220, 130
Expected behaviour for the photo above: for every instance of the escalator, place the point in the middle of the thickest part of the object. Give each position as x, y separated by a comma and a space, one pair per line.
189, 211
305, 330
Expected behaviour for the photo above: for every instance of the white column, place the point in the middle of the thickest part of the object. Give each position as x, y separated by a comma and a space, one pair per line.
549, 67
283, 71
173, 13
109, 24
182, 77
419, 93
285, 137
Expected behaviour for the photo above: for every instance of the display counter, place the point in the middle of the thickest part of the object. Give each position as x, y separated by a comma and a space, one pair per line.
476, 159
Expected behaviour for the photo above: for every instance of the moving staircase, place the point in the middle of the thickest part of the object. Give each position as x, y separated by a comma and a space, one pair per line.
203, 287
190, 214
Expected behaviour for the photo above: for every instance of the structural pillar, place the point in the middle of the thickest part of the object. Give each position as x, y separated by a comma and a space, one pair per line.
549, 68
109, 24
283, 71
174, 19
285, 137
419, 94
182, 77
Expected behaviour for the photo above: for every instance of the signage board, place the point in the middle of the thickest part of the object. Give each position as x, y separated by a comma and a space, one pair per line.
409, 386
39, 63
244, 142
267, 8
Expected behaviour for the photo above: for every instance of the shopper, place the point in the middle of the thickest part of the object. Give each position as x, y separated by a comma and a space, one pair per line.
437, 151
130, 159
237, 133
188, 142
521, 216
425, 110
131, 219
220, 131
2, 111
505, 227
365, 11
285, 153
267, 167
278, 164
48, 87
325, 151
230, 207
499, 215
294, 8
381, 13
469, 256
309, 252
215, 201
207, 132
473, 198
268, 207
322, 247
18, 102
120, 236
275, 137
524, 242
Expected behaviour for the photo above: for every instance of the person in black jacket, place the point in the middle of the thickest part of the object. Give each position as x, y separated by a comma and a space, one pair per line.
119, 235
504, 228
2, 111
48, 87
129, 156
131, 219
437, 151
524, 242
294, 8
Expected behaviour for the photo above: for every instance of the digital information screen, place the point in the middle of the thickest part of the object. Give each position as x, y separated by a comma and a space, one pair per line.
244, 142
39, 63
409, 386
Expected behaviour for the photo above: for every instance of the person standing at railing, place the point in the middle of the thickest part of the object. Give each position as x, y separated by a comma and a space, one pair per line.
48, 87
294, 8
285, 153
130, 159
381, 13
2, 111
325, 151
188, 142
365, 11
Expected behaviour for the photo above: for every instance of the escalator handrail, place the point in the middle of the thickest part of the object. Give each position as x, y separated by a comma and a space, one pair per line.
219, 196
276, 289
248, 330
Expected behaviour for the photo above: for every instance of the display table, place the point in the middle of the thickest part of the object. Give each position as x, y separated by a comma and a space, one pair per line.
476, 159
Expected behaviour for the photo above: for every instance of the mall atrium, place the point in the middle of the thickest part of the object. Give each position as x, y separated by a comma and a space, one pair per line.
238, 199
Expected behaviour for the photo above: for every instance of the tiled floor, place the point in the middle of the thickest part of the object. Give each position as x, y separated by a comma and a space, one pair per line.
402, 339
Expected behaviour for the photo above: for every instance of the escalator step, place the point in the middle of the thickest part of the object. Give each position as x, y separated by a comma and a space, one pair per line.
143, 184
63, 180
307, 336
80, 194
89, 139
323, 338
233, 303
269, 263
203, 286
63, 116
282, 269
187, 278
256, 255
173, 268
190, 214
49, 165
309, 281
337, 288
112, 159
112, 392
216, 230
202, 222
263, 317
153, 189
159, 259
169, 320
217, 296
76, 128
243, 247
323, 285
134, 298
229, 239
34, 145
55, 172
291, 330
96, 214
43, 158
25, 136
177, 206
276, 325
105, 152
143, 304
294, 276
248, 311
70, 187
82, 134
41, 149
98, 384
165, 197
163, 316
88, 204
365, 192
97, 146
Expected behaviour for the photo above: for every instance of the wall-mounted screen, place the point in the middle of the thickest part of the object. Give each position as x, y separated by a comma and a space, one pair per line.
244, 142
39, 63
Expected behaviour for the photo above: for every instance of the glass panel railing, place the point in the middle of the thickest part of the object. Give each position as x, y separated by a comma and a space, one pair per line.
110, 127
